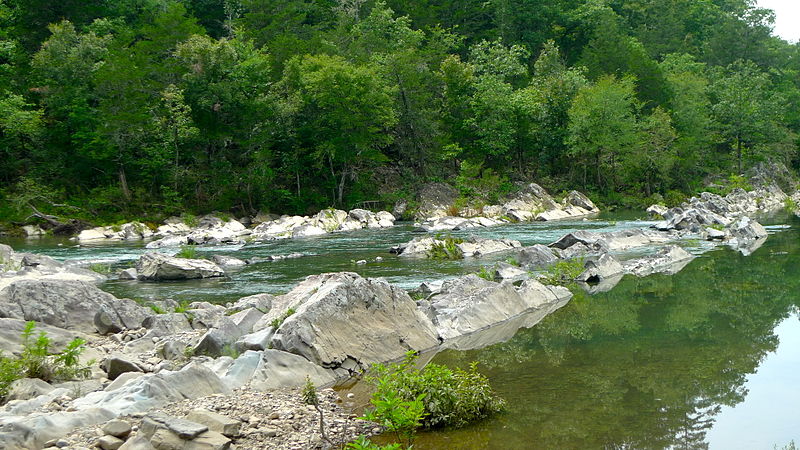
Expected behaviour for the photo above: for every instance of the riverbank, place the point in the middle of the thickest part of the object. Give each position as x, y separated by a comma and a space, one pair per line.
329, 325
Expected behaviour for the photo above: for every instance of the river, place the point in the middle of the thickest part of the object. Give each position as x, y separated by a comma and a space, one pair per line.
706, 358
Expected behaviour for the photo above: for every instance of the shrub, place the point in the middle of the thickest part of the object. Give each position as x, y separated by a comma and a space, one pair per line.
104, 269
187, 252
190, 220
406, 397
446, 247
277, 322
362, 443
790, 205
485, 273
563, 272
36, 361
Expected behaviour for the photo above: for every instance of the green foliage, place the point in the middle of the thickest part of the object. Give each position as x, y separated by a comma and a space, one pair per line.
278, 321
190, 220
485, 273
37, 361
294, 105
563, 272
790, 205
187, 252
309, 393
100, 268
406, 397
446, 247
157, 309
362, 443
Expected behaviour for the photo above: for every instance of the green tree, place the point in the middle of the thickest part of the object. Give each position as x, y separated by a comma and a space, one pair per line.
343, 115
690, 109
748, 111
603, 129
651, 161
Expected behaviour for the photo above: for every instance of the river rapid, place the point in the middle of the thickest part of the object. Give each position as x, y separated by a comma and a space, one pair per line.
704, 358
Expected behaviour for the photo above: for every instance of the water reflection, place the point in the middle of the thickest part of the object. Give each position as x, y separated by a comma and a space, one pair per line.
649, 364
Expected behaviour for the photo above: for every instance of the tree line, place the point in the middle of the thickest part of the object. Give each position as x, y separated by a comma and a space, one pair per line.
126, 107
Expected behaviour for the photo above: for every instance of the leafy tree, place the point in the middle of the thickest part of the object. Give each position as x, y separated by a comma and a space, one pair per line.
343, 114
603, 129
748, 112
20, 128
654, 155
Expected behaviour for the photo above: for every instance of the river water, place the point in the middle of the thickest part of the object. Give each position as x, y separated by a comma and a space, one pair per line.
709, 357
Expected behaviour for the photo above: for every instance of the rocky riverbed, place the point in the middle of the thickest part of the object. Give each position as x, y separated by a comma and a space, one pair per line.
178, 359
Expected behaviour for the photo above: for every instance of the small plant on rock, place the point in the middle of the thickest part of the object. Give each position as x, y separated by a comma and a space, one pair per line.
36, 361
563, 272
446, 247
311, 397
277, 322
485, 273
103, 269
187, 252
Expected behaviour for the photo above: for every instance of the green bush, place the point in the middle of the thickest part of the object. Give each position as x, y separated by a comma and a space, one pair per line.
187, 252
36, 361
563, 272
407, 398
100, 268
277, 322
485, 273
790, 205
362, 443
446, 247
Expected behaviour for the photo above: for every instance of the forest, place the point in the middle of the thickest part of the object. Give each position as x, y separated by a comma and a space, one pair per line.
115, 109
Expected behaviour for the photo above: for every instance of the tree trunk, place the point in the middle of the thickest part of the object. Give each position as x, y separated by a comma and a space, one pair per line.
123, 183
341, 186
739, 152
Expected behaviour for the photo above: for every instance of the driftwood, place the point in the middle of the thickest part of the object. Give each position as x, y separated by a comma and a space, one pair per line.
68, 228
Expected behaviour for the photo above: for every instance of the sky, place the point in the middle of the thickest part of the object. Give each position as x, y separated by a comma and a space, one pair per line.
787, 17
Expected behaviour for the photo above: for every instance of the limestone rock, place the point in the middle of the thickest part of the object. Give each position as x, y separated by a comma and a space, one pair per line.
216, 422
670, 260
157, 266
600, 268
228, 261
117, 428
67, 304
468, 304
342, 316
117, 365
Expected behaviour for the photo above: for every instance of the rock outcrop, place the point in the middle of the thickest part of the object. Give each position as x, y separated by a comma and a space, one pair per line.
326, 221
159, 267
530, 203
339, 317
15, 266
67, 304
669, 260
472, 246
469, 304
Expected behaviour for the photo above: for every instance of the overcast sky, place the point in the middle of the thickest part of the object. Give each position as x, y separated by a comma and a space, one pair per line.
787, 17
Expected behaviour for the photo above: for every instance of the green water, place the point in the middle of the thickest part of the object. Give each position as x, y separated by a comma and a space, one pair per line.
658, 362
709, 357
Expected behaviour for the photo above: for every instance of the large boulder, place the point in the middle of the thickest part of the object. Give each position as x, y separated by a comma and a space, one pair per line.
669, 260
472, 246
535, 256
468, 304
67, 304
344, 320
156, 267
600, 268
435, 199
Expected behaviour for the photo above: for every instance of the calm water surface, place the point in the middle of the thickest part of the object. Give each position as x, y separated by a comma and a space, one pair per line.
709, 357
